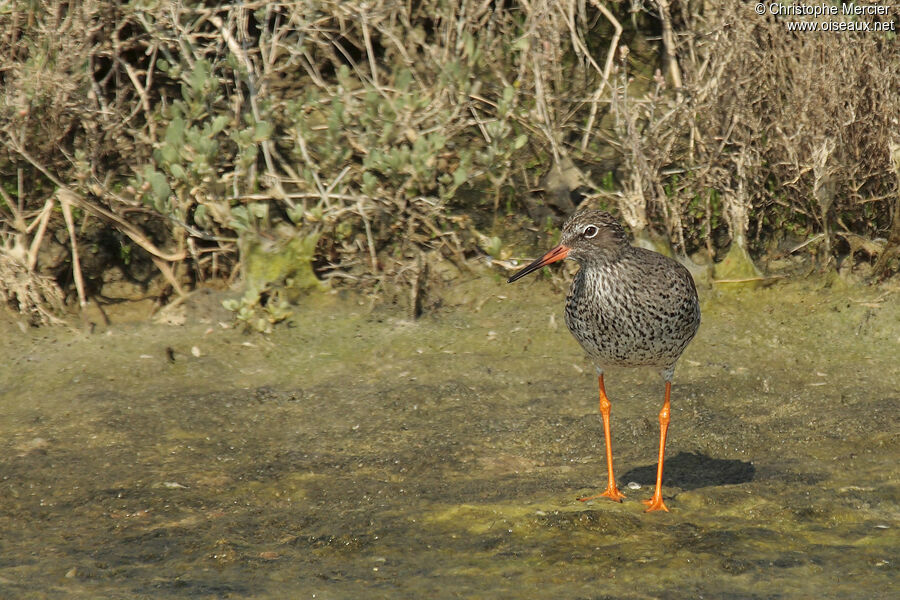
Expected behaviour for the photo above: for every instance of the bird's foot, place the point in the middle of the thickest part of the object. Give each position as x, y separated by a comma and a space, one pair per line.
612, 492
655, 503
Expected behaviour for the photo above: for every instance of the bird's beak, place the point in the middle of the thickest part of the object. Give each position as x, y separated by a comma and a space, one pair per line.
558, 253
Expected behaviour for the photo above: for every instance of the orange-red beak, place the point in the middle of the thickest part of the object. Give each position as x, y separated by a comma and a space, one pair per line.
556, 254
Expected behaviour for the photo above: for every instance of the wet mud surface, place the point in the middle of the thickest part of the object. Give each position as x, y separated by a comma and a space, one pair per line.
356, 454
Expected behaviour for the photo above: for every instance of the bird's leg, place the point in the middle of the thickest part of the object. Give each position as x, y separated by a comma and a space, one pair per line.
656, 502
612, 492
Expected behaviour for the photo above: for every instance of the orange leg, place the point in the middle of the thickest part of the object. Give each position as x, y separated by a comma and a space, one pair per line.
656, 502
612, 492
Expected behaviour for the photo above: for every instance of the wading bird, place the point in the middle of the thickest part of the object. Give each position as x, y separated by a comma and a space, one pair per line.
627, 307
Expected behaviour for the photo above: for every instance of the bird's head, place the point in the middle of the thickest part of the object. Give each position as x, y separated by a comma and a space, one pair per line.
588, 236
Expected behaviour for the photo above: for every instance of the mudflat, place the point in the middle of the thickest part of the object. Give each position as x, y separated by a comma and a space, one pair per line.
355, 453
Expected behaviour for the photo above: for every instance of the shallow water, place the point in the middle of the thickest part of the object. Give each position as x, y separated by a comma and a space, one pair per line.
358, 454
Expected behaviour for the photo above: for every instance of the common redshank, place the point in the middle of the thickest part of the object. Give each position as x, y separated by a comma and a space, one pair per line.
627, 307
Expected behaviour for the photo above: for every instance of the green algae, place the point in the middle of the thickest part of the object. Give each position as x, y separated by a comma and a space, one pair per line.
360, 454
277, 274
737, 267
287, 262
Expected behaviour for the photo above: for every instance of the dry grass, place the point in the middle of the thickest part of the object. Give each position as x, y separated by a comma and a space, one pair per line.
36, 297
776, 133
388, 130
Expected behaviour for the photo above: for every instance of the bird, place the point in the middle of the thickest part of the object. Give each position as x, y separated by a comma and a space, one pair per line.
627, 307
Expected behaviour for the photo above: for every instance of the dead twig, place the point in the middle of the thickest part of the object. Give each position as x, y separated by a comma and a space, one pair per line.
127, 228
65, 203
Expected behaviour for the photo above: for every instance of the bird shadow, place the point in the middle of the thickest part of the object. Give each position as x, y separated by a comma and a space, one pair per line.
690, 471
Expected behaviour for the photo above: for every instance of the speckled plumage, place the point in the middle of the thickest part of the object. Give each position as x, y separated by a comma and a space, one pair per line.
627, 306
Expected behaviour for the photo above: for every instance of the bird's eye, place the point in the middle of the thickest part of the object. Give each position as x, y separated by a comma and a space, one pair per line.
590, 231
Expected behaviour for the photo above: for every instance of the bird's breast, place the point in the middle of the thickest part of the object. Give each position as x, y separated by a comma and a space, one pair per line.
623, 319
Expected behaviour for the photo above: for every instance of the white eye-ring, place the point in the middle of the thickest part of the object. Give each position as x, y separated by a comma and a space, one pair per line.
590, 231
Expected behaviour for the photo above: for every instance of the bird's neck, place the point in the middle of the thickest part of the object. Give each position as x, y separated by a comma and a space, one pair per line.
606, 259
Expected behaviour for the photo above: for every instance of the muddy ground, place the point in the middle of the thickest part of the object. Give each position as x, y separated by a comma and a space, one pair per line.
357, 454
